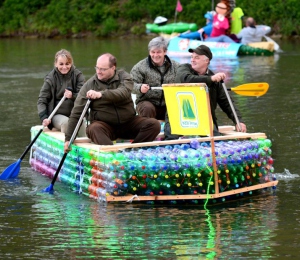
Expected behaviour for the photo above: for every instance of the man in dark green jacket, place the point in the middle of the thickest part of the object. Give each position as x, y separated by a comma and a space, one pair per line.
112, 114
153, 71
198, 72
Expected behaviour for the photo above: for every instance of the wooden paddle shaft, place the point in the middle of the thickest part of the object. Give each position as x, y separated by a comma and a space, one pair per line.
232, 107
57, 107
50, 188
79, 122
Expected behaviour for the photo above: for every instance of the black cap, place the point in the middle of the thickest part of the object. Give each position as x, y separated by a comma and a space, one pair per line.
202, 50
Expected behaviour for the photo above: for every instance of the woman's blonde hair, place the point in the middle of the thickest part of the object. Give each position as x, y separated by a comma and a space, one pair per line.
65, 54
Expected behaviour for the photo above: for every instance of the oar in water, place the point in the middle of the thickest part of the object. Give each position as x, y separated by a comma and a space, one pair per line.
276, 46
50, 187
13, 170
249, 89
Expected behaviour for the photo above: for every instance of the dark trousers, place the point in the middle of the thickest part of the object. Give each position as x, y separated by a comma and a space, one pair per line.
167, 130
140, 129
169, 136
147, 109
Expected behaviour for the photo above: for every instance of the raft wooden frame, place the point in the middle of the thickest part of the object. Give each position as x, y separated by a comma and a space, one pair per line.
192, 196
228, 134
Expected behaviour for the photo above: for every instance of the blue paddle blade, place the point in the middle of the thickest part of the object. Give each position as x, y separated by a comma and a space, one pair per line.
49, 189
11, 171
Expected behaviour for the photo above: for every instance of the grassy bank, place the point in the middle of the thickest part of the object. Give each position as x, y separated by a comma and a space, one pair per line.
103, 18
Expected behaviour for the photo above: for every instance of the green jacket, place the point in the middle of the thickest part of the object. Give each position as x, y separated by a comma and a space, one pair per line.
115, 107
53, 90
144, 72
217, 96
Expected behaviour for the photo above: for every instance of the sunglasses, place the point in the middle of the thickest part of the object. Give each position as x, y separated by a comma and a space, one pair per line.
221, 7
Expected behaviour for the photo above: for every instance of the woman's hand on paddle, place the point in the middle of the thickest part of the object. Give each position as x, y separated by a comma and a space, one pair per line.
68, 93
46, 122
66, 147
243, 126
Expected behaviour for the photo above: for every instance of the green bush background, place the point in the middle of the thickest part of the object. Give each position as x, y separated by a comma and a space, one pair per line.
66, 18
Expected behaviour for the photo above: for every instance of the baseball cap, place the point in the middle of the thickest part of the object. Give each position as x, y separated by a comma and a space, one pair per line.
202, 50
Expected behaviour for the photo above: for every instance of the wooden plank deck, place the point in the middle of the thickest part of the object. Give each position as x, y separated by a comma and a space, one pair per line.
228, 133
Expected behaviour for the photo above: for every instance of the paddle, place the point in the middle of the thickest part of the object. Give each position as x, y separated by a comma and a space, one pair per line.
50, 187
13, 170
276, 46
231, 105
249, 89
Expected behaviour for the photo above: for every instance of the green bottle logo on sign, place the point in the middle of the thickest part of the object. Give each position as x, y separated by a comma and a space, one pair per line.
188, 110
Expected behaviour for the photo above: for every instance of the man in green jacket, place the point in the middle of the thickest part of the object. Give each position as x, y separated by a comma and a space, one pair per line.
198, 72
153, 71
112, 114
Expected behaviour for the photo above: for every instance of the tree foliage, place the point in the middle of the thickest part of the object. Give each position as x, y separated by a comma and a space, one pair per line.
49, 18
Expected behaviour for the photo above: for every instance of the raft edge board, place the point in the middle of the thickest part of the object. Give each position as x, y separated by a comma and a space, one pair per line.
192, 196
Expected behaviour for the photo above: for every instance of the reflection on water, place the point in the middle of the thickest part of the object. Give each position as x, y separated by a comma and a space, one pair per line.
34, 225
68, 226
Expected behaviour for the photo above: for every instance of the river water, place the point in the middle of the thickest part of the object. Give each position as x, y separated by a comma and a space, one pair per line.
35, 225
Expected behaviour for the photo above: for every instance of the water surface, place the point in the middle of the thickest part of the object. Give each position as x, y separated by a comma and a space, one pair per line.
35, 225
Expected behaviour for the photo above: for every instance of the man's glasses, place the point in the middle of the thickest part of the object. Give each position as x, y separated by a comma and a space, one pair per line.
102, 69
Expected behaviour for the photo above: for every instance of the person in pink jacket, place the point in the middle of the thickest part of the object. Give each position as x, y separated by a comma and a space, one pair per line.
220, 25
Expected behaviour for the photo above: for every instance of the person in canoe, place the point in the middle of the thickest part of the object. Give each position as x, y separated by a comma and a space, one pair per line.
252, 32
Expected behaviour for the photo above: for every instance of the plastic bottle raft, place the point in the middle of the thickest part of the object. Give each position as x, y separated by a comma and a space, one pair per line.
160, 173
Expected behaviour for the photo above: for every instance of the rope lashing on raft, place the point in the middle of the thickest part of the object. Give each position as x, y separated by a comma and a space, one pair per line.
134, 196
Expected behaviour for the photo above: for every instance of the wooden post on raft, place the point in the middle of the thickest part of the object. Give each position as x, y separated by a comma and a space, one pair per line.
207, 125
212, 142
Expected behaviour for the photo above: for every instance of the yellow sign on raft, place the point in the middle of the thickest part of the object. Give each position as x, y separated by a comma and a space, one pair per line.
188, 109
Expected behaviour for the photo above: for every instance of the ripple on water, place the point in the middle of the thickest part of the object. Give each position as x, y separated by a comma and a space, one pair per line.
286, 175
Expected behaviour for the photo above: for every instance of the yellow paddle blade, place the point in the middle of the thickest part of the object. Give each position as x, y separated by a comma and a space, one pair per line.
252, 89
